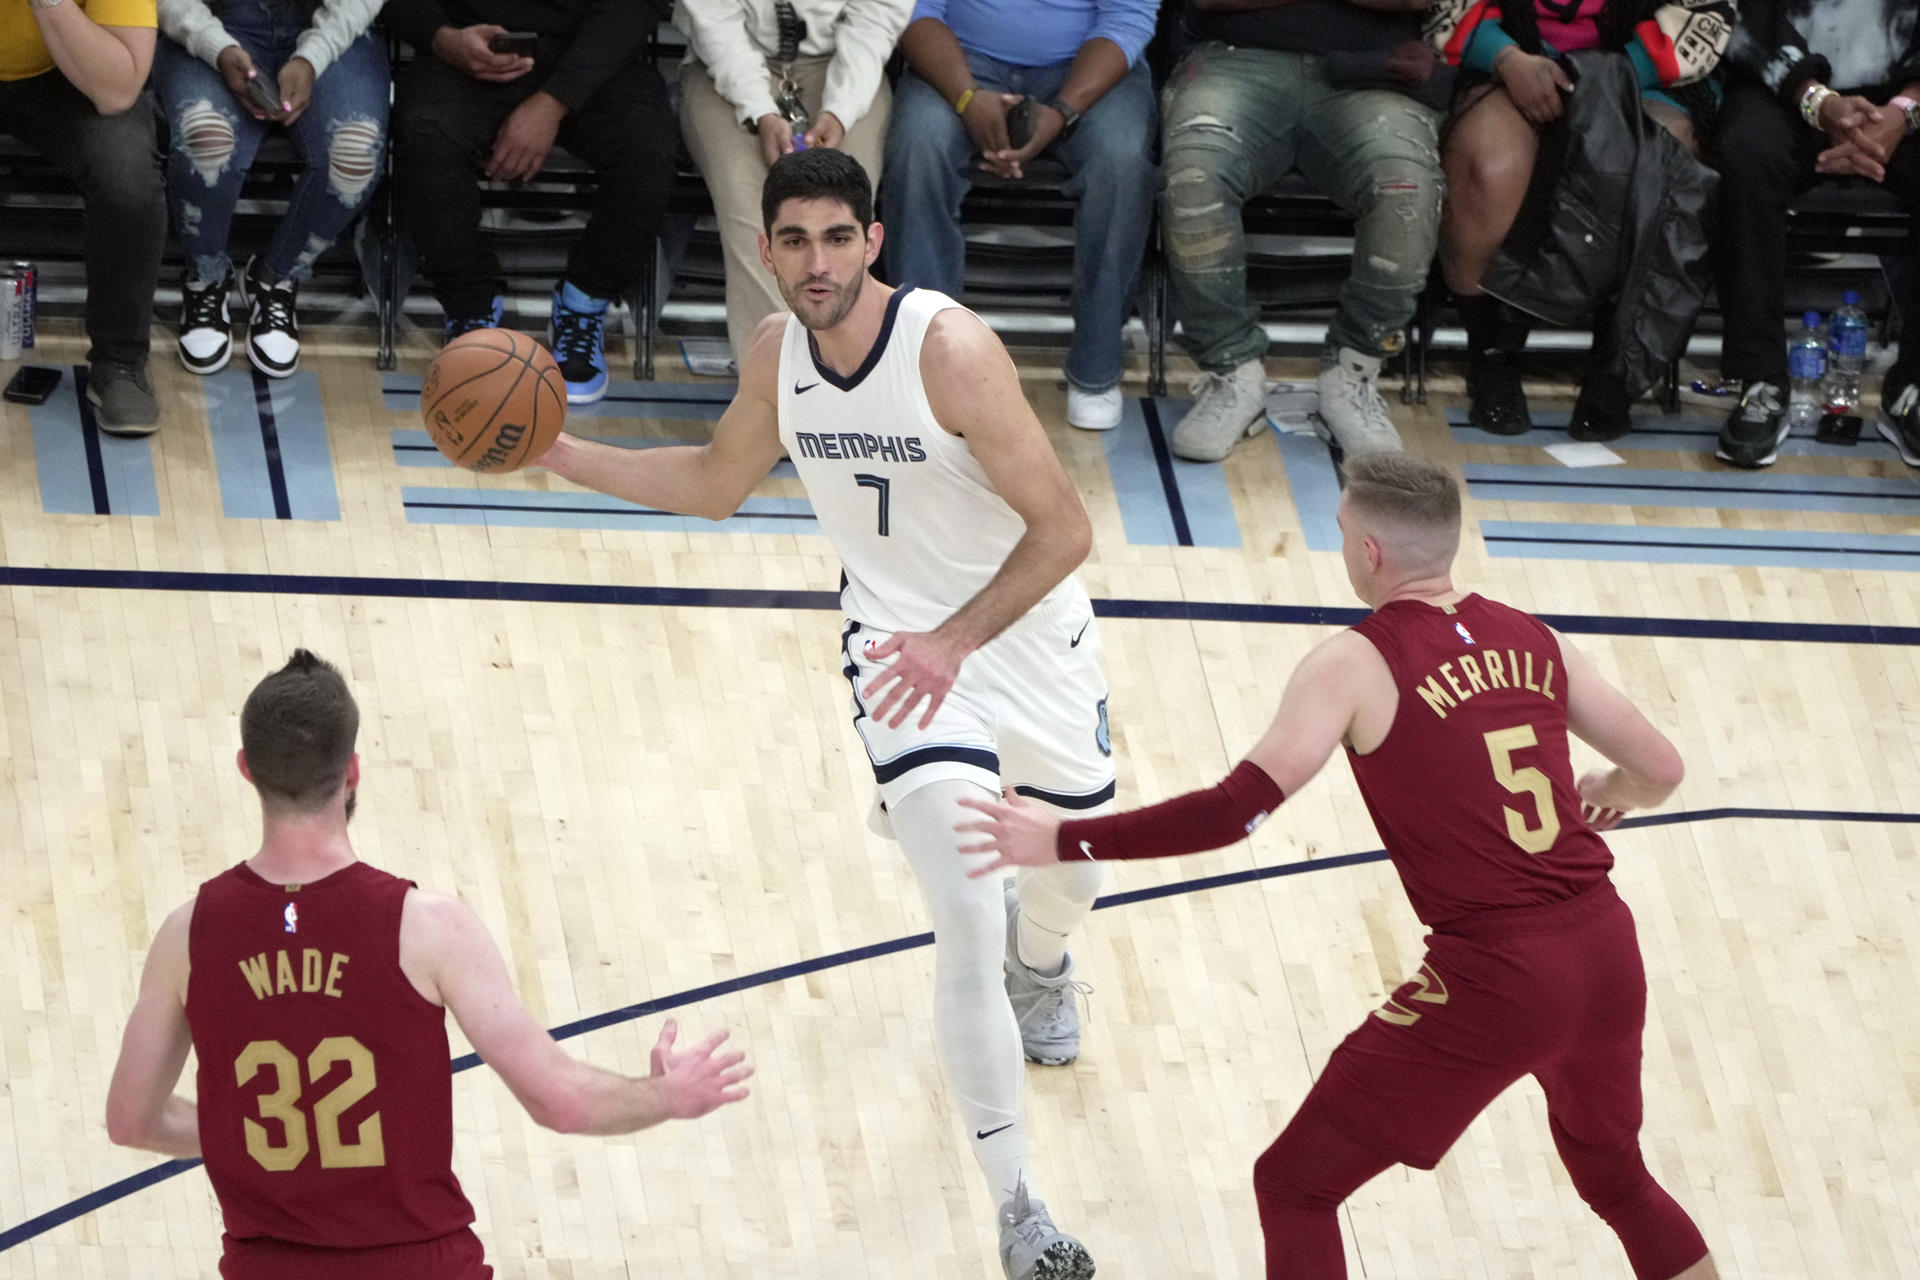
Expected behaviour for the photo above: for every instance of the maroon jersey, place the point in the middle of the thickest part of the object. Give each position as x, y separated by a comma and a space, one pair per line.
1472, 790
326, 1110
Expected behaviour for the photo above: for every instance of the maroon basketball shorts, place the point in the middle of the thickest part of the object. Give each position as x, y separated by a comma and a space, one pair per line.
1557, 992
457, 1256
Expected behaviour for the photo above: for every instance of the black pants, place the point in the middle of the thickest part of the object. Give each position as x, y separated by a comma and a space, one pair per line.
1766, 154
116, 164
443, 130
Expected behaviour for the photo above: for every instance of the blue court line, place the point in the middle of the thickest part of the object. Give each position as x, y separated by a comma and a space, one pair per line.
120, 1190
574, 509
413, 447
1670, 544
746, 598
1717, 490
1163, 464
270, 447
1315, 485
689, 401
1160, 495
82, 470
1681, 432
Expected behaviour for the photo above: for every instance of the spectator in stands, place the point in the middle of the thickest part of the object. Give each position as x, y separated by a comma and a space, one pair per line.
465, 110
73, 77
1815, 87
754, 87
1512, 88
1347, 93
1075, 66
333, 83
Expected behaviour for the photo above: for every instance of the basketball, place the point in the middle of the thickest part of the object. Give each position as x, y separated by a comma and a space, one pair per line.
493, 400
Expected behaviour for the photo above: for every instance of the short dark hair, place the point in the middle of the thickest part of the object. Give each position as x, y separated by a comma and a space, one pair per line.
298, 728
818, 173
1405, 488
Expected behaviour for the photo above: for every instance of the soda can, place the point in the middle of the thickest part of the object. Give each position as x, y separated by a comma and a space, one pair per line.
13, 299
32, 275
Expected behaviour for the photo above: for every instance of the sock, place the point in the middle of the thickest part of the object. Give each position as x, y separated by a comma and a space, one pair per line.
975, 1034
1054, 901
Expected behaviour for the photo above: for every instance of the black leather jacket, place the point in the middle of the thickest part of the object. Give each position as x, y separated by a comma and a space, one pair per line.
1615, 228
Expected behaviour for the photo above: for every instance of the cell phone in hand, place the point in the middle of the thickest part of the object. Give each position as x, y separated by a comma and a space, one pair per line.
265, 91
518, 44
32, 385
1020, 123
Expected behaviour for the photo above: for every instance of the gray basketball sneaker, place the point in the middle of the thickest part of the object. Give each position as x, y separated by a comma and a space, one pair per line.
1048, 1015
1032, 1248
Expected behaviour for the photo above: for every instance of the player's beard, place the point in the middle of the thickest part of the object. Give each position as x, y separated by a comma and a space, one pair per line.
836, 309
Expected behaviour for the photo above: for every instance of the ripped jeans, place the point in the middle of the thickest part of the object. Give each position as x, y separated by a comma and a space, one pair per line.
1236, 121
341, 137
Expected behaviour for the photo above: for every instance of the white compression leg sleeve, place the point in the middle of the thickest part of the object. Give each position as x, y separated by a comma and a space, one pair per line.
974, 1030
1054, 901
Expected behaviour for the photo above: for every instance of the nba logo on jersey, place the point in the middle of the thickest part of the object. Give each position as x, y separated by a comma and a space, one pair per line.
292, 914
1465, 634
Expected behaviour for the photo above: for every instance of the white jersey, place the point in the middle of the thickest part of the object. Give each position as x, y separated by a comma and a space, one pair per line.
917, 524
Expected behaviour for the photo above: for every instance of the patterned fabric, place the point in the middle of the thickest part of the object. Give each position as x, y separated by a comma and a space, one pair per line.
1682, 40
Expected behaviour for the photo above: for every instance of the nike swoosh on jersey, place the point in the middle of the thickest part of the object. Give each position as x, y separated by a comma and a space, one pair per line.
800, 390
1075, 642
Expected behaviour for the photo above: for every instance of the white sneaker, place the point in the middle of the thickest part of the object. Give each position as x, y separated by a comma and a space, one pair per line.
206, 327
1032, 1248
1093, 410
273, 330
1227, 408
1351, 409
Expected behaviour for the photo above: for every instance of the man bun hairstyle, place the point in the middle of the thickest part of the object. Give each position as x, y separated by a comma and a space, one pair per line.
298, 729
818, 173
1404, 489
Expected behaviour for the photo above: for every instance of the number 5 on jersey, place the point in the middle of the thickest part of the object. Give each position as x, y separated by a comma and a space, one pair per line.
371, 1148
1501, 744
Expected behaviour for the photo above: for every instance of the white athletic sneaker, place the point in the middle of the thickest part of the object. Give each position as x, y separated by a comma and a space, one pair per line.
273, 330
1093, 410
1045, 1008
1227, 408
206, 328
1032, 1248
1351, 409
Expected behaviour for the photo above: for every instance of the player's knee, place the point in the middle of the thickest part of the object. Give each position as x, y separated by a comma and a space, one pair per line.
1607, 1176
1283, 1181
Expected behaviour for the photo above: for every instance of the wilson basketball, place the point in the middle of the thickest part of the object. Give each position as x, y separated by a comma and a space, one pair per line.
493, 400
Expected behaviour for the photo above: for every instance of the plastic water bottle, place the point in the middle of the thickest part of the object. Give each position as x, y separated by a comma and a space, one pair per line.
1846, 355
1807, 367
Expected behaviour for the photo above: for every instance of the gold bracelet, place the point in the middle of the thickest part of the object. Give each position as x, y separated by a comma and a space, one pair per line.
960, 107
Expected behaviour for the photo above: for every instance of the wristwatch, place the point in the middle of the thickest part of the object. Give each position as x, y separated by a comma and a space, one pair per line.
1912, 109
1068, 115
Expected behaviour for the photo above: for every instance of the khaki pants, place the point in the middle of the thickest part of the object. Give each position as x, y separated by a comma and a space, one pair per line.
730, 161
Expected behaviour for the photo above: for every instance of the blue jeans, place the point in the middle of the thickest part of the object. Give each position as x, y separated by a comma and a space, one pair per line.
341, 137
931, 163
1239, 120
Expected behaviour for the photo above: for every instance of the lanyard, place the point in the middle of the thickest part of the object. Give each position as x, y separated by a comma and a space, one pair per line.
793, 29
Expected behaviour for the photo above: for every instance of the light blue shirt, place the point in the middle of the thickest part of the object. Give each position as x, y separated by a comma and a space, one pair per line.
1043, 33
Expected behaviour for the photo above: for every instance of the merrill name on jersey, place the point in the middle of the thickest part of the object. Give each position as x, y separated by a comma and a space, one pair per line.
855, 446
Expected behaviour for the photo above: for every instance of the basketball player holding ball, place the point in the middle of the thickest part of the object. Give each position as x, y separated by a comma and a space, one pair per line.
970, 645
1454, 711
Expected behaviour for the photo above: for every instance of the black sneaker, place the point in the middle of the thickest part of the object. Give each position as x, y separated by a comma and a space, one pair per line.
1899, 421
206, 328
1755, 428
1603, 412
495, 316
1498, 403
273, 332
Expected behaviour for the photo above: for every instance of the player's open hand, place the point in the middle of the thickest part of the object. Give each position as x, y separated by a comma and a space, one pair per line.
694, 1081
924, 665
1018, 831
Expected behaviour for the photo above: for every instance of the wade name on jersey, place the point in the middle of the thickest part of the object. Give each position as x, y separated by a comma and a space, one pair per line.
1488, 671
855, 446
281, 979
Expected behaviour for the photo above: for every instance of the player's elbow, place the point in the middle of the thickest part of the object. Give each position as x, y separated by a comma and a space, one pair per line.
126, 1127
1667, 770
559, 1108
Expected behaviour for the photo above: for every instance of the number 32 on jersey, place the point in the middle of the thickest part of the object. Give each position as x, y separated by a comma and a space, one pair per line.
368, 1150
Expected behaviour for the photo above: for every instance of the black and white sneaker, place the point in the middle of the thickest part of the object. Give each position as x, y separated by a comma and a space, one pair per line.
1899, 421
206, 328
273, 331
1755, 428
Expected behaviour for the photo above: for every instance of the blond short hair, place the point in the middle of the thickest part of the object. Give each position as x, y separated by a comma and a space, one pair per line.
1404, 489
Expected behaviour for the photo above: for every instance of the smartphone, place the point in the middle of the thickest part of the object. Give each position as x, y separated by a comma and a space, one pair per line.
520, 44
33, 384
1020, 123
265, 91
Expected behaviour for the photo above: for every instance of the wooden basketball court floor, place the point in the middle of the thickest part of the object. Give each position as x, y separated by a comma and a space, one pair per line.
625, 741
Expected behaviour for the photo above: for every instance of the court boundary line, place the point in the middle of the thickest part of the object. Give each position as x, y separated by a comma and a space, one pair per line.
803, 599
116, 1191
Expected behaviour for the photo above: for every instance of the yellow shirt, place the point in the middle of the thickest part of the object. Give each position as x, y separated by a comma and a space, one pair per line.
23, 53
